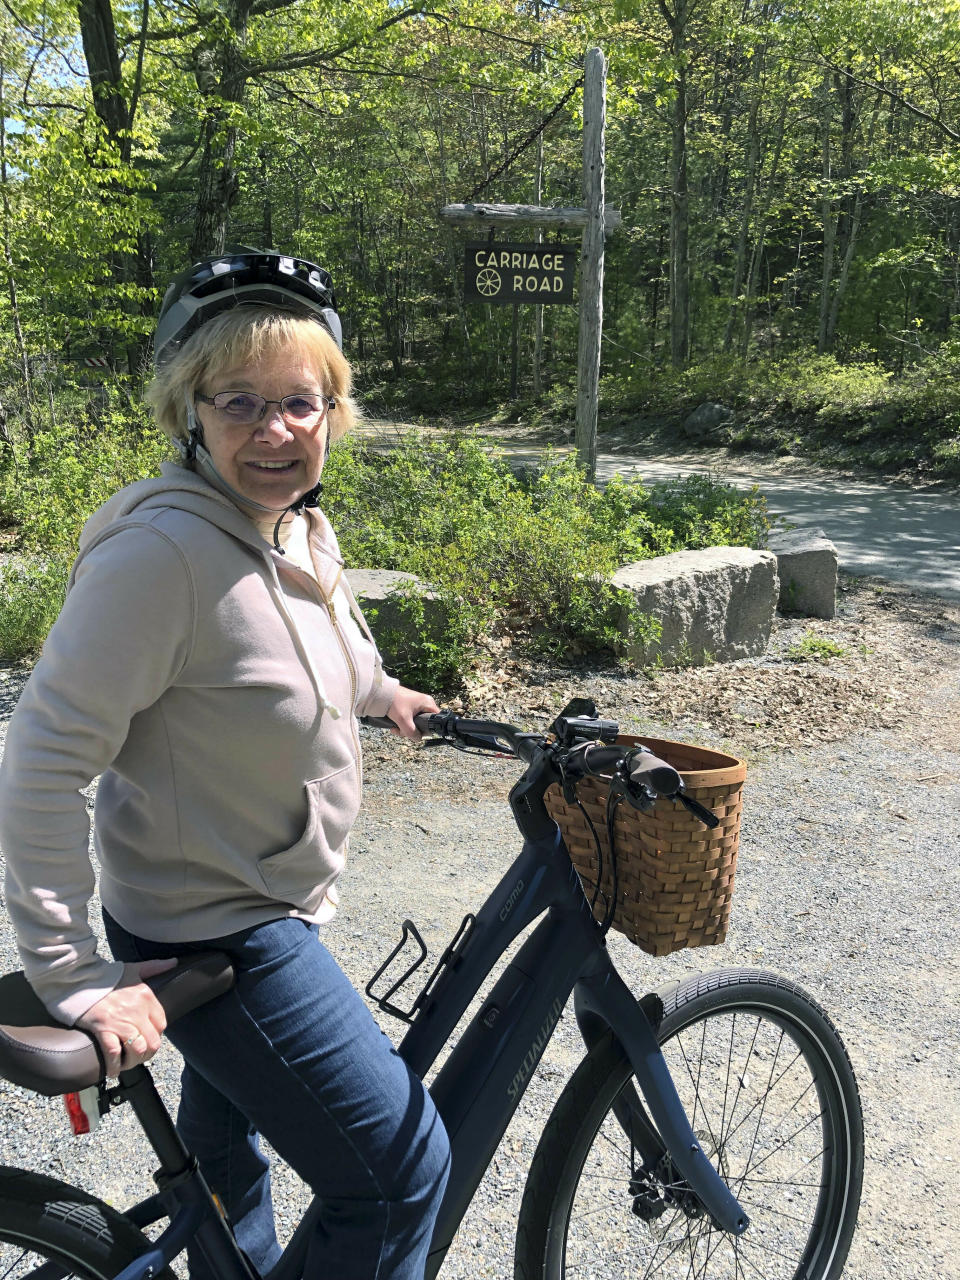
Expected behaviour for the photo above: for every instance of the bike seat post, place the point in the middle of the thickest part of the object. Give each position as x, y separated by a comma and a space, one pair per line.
193, 1211
136, 1087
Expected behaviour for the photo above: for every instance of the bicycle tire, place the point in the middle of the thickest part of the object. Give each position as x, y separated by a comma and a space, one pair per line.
784, 1068
46, 1221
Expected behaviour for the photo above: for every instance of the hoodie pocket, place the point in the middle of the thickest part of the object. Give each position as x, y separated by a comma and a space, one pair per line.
295, 875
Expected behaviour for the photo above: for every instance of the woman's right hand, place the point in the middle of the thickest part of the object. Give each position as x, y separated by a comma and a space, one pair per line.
128, 1021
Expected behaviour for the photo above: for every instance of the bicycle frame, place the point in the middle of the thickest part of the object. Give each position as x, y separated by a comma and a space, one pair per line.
479, 1087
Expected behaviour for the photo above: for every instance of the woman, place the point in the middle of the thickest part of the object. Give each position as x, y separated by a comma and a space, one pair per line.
209, 663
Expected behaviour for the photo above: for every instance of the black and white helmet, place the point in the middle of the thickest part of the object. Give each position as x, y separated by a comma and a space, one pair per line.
243, 277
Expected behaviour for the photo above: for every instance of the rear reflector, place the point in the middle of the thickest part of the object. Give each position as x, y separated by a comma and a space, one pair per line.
83, 1110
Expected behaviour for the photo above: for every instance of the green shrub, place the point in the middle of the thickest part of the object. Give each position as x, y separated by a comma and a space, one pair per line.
856, 410
530, 555
814, 648
31, 596
702, 511
418, 646
71, 472
63, 477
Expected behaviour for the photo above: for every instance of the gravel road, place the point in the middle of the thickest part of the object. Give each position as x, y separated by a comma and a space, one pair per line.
848, 881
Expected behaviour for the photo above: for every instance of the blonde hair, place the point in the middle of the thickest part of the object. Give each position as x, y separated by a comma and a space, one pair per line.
245, 335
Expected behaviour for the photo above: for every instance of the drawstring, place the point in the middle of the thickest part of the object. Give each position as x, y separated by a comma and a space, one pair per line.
195, 456
280, 600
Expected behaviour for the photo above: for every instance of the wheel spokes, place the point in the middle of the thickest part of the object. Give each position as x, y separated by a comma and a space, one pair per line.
751, 1094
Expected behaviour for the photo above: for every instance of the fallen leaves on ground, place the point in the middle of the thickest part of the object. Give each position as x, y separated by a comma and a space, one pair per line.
892, 641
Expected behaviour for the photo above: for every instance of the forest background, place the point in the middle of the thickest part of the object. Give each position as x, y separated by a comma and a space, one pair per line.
788, 176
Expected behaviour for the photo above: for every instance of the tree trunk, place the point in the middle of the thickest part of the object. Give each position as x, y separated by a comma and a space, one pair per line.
222, 79
592, 260
99, 36
102, 55
760, 236
12, 279
852, 226
217, 185
538, 310
827, 217
655, 287
679, 232
451, 240
538, 236
266, 231
677, 20
740, 264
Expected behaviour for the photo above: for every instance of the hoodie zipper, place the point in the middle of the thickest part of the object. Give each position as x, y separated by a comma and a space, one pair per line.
349, 662
351, 666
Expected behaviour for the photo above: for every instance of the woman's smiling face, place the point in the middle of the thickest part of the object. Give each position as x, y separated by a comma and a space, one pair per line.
270, 462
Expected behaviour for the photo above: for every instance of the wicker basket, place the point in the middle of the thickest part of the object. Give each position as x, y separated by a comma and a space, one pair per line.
674, 875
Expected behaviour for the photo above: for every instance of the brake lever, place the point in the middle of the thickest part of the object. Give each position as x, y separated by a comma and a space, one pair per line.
708, 818
636, 794
644, 798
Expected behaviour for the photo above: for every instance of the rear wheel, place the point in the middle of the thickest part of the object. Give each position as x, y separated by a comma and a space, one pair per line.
50, 1230
769, 1091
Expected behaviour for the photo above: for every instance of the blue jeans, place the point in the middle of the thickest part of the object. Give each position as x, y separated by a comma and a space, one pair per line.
293, 1053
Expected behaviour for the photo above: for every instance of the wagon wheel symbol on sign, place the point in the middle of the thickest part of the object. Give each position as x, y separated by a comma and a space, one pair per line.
488, 282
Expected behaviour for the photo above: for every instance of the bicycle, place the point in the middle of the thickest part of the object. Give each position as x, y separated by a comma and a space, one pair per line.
713, 1128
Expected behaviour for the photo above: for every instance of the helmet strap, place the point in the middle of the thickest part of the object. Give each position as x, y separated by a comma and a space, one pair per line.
195, 455
187, 449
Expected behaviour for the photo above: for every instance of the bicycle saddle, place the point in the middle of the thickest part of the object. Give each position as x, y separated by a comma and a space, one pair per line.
42, 1054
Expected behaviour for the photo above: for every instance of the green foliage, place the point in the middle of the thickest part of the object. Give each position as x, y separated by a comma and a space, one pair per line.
31, 596
831, 126
522, 560
818, 405
432, 639
814, 648
71, 471
530, 556
62, 475
702, 511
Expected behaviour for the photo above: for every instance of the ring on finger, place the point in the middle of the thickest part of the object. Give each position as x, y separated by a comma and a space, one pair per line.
132, 1039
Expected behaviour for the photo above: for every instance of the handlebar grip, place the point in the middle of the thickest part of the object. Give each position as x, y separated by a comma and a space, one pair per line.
423, 720
377, 722
647, 770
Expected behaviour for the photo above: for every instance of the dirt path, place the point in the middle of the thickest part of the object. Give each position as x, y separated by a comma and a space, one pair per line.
847, 876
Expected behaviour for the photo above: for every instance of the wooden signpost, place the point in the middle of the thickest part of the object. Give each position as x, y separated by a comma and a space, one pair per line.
515, 279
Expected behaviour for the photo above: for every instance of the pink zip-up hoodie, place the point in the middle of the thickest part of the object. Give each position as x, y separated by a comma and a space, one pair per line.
214, 688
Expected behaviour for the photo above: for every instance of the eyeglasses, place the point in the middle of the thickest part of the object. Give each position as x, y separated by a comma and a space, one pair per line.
244, 408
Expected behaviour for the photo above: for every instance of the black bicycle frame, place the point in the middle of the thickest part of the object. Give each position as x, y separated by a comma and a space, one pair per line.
479, 1087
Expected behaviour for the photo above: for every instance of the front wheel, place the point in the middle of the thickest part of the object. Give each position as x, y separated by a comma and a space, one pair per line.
51, 1230
769, 1091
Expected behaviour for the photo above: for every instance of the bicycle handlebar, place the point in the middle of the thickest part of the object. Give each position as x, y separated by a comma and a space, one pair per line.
645, 775
487, 735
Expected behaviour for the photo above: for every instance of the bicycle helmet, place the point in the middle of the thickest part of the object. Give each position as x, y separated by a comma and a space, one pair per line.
243, 277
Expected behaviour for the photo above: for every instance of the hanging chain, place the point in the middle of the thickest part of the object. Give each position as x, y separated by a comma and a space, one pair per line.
530, 138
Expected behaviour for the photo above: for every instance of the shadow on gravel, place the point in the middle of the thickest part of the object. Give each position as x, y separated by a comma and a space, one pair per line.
11, 686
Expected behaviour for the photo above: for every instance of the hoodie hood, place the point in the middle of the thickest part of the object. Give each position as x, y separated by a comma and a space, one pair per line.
178, 487
182, 489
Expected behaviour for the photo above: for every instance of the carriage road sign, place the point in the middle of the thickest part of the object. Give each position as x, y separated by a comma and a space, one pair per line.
519, 272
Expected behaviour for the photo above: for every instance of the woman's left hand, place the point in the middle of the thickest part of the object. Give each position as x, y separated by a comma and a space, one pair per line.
406, 704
